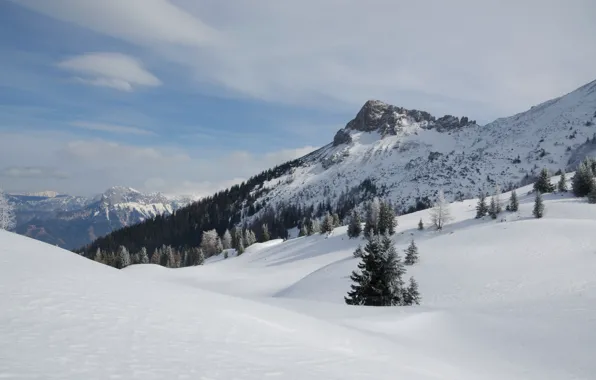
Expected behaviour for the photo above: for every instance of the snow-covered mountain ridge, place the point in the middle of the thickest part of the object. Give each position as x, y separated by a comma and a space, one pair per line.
72, 221
409, 155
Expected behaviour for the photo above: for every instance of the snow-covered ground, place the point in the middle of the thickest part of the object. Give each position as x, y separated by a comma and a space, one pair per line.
510, 299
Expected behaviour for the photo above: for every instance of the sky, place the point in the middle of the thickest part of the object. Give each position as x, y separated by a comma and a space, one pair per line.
192, 96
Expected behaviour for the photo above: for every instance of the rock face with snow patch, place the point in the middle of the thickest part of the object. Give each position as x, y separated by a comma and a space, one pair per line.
71, 222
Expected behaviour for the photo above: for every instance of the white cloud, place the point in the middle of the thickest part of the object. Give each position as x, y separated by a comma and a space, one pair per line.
94, 165
113, 128
114, 70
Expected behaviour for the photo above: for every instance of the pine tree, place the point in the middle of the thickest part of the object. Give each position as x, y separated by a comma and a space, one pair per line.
379, 282
315, 227
355, 226
143, 258
543, 184
200, 257
440, 213
481, 207
373, 211
582, 182
226, 241
99, 256
386, 224
266, 235
497, 197
226, 254
411, 254
420, 225
336, 221
538, 211
412, 296
492, 209
358, 252
303, 230
513, 202
155, 257
592, 193
327, 225
123, 259
562, 184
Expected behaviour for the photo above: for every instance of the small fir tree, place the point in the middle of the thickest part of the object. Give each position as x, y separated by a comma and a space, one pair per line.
492, 209
386, 224
412, 294
543, 184
143, 257
226, 241
123, 259
411, 254
336, 221
355, 226
582, 183
592, 193
327, 225
420, 225
303, 230
481, 207
513, 202
562, 184
538, 211
266, 235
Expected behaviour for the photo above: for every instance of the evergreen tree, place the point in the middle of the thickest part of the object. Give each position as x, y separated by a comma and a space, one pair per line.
538, 211
582, 182
411, 254
249, 238
211, 243
155, 257
315, 227
336, 220
492, 209
226, 254
513, 202
562, 184
497, 196
386, 224
266, 235
143, 258
440, 213
481, 207
327, 225
200, 257
303, 230
99, 256
412, 296
123, 259
543, 184
238, 240
420, 225
373, 211
379, 282
7, 216
592, 193
226, 241
358, 252
355, 226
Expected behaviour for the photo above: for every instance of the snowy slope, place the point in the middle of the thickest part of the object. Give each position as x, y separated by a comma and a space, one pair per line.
409, 155
508, 299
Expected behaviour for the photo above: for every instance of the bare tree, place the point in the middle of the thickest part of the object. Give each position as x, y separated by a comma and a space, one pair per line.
440, 213
7, 218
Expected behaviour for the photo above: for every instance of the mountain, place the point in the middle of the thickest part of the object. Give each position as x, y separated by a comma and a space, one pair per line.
510, 299
405, 156
73, 221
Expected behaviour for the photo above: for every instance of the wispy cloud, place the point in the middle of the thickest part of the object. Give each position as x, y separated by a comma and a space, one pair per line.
114, 70
112, 128
16, 172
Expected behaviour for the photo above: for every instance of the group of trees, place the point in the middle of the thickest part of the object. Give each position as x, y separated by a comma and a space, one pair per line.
584, 183
7, 217
379, 278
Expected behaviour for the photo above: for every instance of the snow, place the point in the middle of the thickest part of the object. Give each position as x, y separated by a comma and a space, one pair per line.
508, 299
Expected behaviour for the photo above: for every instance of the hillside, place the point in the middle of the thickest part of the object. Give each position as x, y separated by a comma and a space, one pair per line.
401, 155
500, 300
72, 221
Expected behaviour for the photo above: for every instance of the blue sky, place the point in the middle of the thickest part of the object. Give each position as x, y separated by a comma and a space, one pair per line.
186, 96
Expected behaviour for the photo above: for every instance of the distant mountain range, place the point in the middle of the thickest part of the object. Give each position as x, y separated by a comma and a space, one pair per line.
73, 221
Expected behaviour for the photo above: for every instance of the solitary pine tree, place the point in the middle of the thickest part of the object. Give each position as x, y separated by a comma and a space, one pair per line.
582, 183
412, 294
327, 225
481, 207
538, 211
562, 184
386, 224
420, 225
411, 254
355, 226
513, 202
543, 184
492, 209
